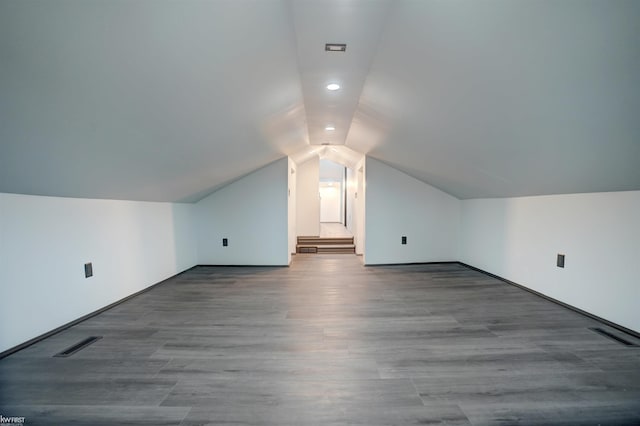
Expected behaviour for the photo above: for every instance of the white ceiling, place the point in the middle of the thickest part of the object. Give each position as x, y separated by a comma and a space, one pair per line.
497, 98
167, 101
358, 24
146, 99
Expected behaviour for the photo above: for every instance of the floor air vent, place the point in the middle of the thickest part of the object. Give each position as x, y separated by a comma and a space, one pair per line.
78, 346
612, 336
308, 250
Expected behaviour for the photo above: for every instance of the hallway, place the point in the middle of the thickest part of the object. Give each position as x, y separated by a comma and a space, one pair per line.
328, 342
334, 229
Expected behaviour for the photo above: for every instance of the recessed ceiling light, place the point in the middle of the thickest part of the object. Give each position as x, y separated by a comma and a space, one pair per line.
335, 47
333, 86
330, 128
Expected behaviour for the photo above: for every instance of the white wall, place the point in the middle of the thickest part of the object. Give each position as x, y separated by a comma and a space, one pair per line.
307, 198
45, 242
519, 238
331, 202
291, 202
398, 204
351, 186
252, 214
360, 207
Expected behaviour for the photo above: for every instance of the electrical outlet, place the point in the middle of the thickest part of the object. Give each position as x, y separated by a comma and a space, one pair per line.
560, 260
225, 242
88, 270
404, 239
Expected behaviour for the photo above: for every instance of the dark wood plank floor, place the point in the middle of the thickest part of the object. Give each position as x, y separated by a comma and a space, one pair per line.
328, 342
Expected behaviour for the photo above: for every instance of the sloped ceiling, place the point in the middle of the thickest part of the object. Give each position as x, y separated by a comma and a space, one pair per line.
496, 98
145, 99
167, 101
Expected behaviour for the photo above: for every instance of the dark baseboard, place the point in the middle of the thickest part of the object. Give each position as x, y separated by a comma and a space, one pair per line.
106, 308
83, 318
618, 327
242, 266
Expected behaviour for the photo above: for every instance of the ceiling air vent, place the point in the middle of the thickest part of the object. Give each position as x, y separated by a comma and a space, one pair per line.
335, 47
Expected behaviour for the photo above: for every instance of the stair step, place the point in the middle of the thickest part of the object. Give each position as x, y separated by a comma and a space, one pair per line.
316, 244
325, 240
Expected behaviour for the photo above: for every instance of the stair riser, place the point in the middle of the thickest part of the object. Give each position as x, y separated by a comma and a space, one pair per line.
325, 241
335, 251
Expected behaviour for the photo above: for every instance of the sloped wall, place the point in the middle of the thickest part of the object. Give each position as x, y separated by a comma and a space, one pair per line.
599, 233
399, 205
252, 214
45, 242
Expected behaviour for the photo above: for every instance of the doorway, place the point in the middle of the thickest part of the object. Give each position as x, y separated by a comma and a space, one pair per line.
330, 202
329, 206
333, 205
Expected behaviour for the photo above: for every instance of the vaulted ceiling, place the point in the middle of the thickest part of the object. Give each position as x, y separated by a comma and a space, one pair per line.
168, 100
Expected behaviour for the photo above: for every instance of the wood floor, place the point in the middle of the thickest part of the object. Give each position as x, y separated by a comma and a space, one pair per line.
328, 342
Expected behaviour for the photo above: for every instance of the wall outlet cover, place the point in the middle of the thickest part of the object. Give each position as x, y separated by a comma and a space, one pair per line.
88, 270
560, 260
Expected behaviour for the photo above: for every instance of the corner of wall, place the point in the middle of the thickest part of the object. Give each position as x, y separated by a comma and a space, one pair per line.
398, 205
132, 245
519, 238
291, 207
251, 214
